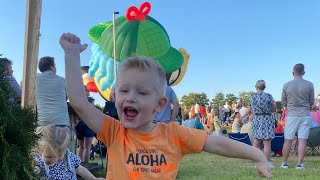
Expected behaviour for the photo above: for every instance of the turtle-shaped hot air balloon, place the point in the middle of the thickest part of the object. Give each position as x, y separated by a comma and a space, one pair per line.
136, 34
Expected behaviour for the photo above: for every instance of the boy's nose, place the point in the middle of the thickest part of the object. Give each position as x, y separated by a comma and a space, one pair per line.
131, 100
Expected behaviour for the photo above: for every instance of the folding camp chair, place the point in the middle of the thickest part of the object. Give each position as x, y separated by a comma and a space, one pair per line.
313, 141
277, 143
242, 137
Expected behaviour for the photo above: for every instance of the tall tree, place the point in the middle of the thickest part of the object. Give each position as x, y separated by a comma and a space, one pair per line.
218, 99
230, 97
245, 97
190, 99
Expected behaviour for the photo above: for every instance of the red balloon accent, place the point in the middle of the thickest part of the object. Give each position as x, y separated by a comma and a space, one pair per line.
92, 87
133, 13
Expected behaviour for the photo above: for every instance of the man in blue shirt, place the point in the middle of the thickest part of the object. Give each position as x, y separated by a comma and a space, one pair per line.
166, 116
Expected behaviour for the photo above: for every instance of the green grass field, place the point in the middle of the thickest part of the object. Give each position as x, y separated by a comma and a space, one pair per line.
210, 166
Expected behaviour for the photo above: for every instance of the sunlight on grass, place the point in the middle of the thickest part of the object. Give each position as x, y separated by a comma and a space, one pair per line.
210, 166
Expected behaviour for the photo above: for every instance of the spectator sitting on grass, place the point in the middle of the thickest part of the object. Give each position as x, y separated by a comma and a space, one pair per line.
246, 128
315, 116
192, 123
237, 123
217, 127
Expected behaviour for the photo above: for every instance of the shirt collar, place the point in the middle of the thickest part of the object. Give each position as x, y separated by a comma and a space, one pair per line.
48, 72
298, 77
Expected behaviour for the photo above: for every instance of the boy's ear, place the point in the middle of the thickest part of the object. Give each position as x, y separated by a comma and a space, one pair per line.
161, 104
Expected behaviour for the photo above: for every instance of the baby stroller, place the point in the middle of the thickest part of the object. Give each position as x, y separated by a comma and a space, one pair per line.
99, 149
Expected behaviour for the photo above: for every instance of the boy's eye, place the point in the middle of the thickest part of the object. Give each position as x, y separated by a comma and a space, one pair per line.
123, 90
142, 93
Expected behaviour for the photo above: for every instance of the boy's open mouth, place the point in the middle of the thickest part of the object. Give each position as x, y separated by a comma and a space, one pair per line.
130, 113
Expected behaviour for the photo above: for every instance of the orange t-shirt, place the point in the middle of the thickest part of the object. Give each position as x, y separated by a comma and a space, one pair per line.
155, 155
192, 112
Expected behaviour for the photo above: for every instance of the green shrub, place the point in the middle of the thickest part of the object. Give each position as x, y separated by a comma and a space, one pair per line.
17, 136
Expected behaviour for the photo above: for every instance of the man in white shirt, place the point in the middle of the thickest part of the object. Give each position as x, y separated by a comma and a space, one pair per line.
243, 112
197, 109
227, 112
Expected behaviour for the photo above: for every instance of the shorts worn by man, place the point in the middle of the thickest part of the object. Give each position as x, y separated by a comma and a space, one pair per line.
297, 97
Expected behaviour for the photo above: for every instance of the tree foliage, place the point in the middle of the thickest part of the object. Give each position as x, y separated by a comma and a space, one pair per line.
245, 97
192, 98
230, 98
17, 136
218, 99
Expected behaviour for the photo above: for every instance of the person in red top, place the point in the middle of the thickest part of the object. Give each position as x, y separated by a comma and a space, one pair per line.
203, 114
280, 125
138, 148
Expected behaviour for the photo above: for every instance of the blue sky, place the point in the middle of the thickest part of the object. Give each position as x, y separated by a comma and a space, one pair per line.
232, 43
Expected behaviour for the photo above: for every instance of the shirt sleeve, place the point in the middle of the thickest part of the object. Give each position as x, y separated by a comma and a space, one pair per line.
284, 96
74, 159
15, 87
38, 167
271, 98
173, 94
312, 95
191, 140
109, 131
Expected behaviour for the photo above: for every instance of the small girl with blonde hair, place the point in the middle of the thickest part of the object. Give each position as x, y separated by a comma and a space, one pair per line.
54, 160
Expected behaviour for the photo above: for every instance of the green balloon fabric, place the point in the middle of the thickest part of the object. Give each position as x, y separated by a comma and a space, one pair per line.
147, 38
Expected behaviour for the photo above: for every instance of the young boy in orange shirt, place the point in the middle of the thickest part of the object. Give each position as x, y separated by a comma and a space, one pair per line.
137, 148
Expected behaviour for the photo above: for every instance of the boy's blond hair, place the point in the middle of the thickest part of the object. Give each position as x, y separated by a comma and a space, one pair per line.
145, 64
54, 140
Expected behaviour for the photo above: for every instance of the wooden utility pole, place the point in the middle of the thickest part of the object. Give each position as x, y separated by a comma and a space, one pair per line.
31, 49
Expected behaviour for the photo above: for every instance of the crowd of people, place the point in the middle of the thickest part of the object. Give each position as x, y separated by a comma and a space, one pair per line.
147, 131
261, 119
